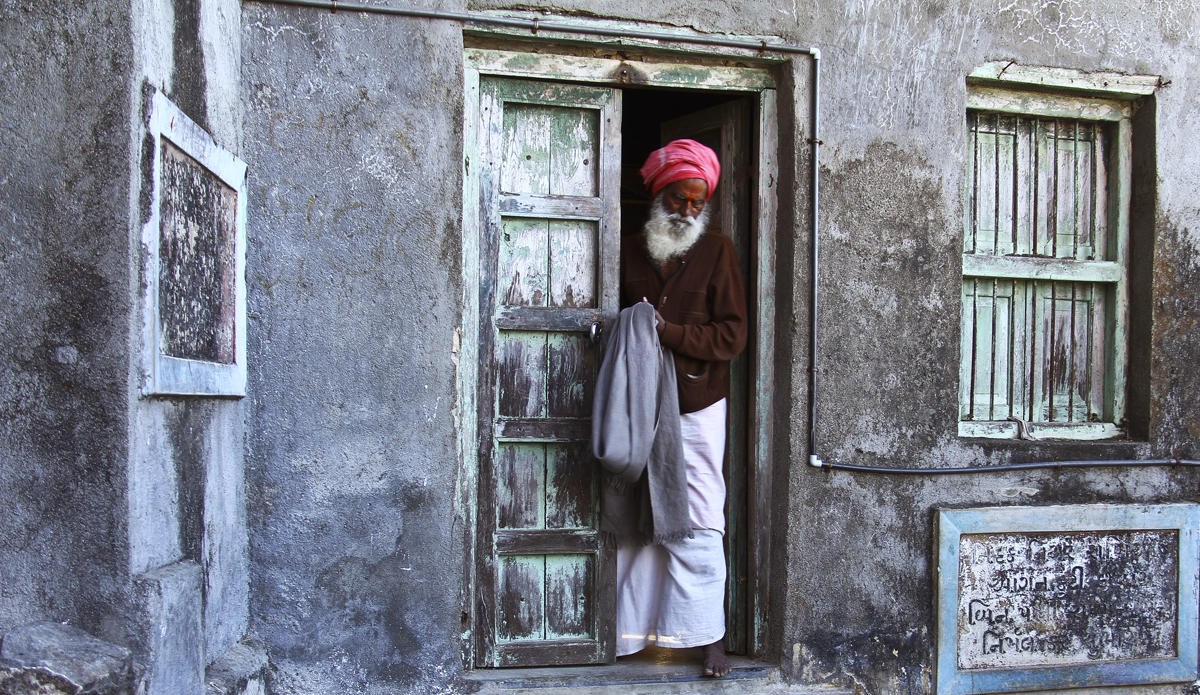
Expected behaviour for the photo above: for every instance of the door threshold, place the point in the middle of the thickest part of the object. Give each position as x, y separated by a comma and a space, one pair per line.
653, 671
651, 665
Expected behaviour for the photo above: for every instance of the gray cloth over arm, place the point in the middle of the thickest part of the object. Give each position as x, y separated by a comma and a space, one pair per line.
635, 434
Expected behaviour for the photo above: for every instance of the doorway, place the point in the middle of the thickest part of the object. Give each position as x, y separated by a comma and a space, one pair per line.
551, 186
721, 121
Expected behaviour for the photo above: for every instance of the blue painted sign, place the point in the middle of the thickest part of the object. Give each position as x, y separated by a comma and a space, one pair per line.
1035, 598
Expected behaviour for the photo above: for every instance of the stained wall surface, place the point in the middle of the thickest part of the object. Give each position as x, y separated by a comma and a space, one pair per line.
860, 548
353, 122
353, 135
187, 485
327, 513
64, 366
105, 488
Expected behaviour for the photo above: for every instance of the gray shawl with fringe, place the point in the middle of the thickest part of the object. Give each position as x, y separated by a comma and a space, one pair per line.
635, 435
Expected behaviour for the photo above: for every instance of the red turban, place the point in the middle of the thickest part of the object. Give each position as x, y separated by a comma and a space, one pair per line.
678, 160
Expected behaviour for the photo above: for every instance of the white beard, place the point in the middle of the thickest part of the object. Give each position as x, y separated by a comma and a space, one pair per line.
670, 235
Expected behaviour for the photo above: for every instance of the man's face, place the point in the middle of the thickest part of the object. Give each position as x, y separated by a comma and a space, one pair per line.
678, 217
686, 197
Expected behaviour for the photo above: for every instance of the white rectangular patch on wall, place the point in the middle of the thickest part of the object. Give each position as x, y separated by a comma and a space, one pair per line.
194, 327
1041, 598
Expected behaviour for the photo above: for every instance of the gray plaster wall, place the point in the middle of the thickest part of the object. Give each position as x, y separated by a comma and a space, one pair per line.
858, 571
352, 128
353, 135
92, 472
64, 168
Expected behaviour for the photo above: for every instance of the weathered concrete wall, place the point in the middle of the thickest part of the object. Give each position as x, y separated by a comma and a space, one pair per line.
64, 154
352, 131
101, 485
353, 135
860, 554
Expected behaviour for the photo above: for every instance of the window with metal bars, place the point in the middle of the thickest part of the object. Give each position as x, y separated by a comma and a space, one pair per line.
1044, 266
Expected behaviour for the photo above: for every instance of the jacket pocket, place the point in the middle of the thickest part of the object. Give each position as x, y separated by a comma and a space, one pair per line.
691, 369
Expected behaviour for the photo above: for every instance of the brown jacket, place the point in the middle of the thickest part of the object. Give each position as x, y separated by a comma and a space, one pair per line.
702, 301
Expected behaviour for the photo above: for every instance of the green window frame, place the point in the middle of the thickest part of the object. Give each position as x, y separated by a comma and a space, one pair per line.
1045, 265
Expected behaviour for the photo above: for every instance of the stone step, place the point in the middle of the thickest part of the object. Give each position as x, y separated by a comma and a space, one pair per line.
242, 670
707, 686
652, 672
54, 659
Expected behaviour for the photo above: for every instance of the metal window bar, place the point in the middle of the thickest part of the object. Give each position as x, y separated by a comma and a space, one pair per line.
974, 347
1012, 347
996, 193
1074, 198
1091, 413
992, 358
1033, 341
1043, 372
1035, 178
975, 145
1072, 377
1052, 217
1050, 325
1039, 205
1097, 209
1016, 193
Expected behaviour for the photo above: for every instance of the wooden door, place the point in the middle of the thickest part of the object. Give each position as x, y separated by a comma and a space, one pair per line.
725, 128
549, 218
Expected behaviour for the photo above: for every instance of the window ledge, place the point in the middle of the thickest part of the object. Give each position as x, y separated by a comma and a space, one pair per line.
1075, 431
1110, 84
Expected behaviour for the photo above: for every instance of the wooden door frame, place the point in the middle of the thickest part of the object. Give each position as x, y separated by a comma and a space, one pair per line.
704, 71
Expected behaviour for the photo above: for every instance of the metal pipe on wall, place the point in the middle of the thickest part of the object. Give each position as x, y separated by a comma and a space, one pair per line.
1099, 463
815, 252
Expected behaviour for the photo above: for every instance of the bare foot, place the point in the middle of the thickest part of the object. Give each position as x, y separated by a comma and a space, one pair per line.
715, 663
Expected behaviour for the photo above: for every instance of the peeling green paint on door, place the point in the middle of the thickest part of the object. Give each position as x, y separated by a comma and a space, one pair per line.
549, 233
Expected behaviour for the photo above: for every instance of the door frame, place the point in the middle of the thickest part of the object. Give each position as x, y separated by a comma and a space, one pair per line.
602, 64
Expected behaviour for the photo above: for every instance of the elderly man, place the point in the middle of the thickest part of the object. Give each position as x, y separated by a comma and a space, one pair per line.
672, 593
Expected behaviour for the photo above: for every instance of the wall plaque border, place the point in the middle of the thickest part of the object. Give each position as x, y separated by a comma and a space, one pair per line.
164, 373
952, 524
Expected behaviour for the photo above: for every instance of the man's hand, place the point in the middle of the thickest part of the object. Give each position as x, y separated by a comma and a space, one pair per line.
659, 321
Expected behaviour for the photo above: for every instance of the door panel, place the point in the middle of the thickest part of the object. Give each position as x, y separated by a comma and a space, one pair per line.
549, 218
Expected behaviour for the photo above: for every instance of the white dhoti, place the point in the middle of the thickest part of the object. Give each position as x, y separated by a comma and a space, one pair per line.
673, 594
